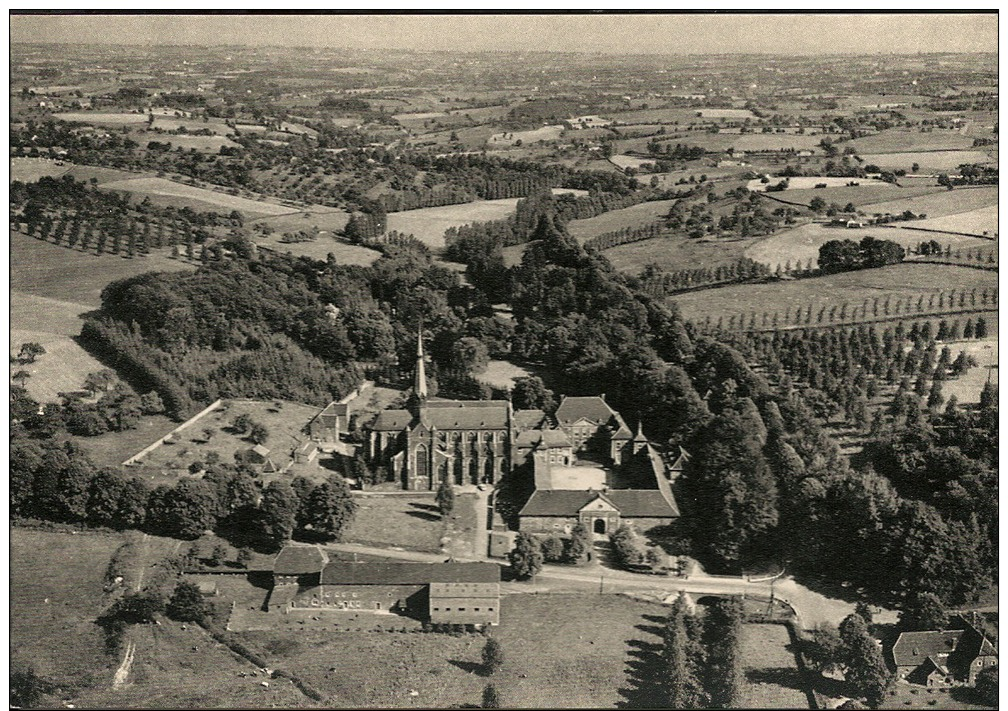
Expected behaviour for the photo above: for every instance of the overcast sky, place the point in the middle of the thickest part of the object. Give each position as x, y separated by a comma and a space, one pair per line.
692, 34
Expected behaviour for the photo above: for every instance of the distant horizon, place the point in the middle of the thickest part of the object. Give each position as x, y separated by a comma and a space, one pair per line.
764, 34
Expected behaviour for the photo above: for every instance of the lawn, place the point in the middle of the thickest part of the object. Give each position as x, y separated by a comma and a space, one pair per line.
410, 522
900, 280
634, 216
772, 679
803, 242
55, 596
29, 170
162, 191
913, 696
674, 253
562, 651
428, 224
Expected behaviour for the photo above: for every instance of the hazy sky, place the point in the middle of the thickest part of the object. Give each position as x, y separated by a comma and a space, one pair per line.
784, 34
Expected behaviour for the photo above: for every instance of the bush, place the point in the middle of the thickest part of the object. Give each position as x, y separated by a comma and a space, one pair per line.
553, 549
493, 656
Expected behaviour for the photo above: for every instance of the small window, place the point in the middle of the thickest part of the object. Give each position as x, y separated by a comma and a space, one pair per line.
476, 609
461, 609
437, 609
489, 609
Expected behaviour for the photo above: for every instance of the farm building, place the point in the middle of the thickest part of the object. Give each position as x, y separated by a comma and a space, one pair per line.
602, 512
259, 457
939, 657
585, 122
327, 425
305, 452
450, 593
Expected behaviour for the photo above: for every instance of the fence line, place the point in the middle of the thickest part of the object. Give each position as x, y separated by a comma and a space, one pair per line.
157, 443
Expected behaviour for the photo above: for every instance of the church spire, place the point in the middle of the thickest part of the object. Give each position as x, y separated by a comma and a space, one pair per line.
419, 373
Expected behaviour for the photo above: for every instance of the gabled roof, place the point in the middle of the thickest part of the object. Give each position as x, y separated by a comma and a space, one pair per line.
261, 450
592, 408
392, 420
631, 503
493, 415
407, 573
545, 438
599, 503
913, 648
299, 559
680, 462
527, 419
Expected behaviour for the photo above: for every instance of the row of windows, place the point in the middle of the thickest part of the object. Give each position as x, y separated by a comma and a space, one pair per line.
461, 609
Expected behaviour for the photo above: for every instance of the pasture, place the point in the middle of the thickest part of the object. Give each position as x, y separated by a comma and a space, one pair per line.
674, 253
655, 116
47, 270
545, 133
718, 142
55, 597
320, 248
164, 191
726, 113
200, 143
772, 678
623, 162
802, 243
634, 216
411, 522
967, 388
29, 170
861, 196
897, 281
982, 221
428, 224
173, 123
807, 182
902, 140
929, 161
938, 204
562, 651
102, 118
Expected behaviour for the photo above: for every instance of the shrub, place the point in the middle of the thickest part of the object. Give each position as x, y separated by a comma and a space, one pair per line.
553, 549
187, 603
493, 656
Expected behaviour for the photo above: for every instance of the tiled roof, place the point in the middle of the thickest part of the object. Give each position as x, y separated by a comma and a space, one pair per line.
408, 573
465, 590
392, 420
593, 409
913, 648
632, 503
468, 418
527, 419
298, 559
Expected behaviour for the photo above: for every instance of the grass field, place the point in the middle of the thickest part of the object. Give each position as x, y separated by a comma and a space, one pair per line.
29, 170
200, 143
861, 196
102, 118
181, 195
809, 183
411, 522
321, 247
501, 374
726, 113
967, 388
326, 219
55, 595
937, 204
803, 242
900, 280
929, 161
673, 253
172, 123
718, 142
47, 270
562, 651
982, 221
772, 677
428, 224
545, 133
283, 420
113, 448
912, 696
634, 216
655, 116
897, 140
623, 162
101, 176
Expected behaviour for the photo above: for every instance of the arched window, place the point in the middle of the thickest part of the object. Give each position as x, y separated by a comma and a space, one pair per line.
421, 460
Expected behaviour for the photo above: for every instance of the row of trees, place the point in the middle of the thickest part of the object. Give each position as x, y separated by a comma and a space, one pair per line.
889, 308
660, 283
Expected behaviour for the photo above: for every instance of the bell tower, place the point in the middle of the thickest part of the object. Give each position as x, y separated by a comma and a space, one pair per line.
418, 397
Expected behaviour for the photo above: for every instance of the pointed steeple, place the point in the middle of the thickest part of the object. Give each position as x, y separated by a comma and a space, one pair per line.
420, 373
639, 437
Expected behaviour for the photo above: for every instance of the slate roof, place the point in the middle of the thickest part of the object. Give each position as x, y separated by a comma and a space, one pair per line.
549, 438
392, 420
407, 573
632, 503
299, 559
527, 419
592, 408
468, 418
449, 590
913, 648
283, 594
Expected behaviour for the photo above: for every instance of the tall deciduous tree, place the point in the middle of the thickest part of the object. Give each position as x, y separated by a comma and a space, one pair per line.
278, 511
445, 498
681, 660
526, 557
330, 508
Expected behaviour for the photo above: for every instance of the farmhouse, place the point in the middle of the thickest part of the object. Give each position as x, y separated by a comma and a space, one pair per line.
940, 657
444, 593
